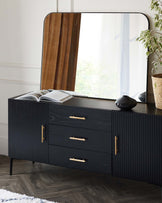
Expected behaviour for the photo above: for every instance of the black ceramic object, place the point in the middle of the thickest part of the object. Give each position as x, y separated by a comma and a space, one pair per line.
126, 103
142, 97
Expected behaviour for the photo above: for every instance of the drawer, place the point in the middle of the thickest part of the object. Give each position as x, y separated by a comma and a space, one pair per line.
80, 159
79, 117
80, 138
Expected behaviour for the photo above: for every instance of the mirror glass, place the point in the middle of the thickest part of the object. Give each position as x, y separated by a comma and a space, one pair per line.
111, 62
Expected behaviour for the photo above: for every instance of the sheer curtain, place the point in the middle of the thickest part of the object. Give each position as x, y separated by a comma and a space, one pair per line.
124, 55
133, 68
110, 60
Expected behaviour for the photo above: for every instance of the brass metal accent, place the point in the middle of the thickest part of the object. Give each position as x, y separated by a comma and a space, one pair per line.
77, 138
77, 117
116, 145
77, 160
42, 133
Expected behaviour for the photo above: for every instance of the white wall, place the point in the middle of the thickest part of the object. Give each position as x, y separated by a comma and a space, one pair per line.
105, 5
21, 31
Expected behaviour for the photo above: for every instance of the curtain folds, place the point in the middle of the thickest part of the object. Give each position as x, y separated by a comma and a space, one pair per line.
60, 50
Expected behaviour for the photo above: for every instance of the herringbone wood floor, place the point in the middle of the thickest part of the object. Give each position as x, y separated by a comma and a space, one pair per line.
74, 186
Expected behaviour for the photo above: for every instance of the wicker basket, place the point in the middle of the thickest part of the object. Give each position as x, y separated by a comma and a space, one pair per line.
157, 88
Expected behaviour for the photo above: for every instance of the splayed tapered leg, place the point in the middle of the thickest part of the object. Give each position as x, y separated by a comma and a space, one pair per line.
11, 165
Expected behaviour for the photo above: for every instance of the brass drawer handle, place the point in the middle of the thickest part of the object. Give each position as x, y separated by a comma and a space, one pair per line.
116, 145
77, 117
77, 138
42, 133
77, 160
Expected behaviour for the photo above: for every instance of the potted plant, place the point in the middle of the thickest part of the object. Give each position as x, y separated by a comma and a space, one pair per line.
152, 40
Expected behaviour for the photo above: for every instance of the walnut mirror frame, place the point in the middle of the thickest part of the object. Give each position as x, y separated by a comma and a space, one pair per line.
95, 54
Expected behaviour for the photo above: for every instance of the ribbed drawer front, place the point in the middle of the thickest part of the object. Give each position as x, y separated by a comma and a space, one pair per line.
80, 138
80, 159
79, 117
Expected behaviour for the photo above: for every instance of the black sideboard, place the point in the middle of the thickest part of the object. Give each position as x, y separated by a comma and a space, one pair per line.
89, 134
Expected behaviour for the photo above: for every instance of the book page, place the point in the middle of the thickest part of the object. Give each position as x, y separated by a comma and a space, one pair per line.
35, 95
56, 96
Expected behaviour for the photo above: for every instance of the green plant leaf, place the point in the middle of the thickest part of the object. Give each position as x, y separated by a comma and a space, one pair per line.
152, 39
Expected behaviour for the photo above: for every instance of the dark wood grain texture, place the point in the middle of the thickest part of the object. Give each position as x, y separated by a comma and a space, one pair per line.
94, 119
94, 161
90, 139
106, 104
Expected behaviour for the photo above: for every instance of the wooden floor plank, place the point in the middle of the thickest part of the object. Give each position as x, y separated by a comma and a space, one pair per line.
73, 186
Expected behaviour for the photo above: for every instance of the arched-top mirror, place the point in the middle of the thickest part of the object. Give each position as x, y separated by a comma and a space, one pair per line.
95, 54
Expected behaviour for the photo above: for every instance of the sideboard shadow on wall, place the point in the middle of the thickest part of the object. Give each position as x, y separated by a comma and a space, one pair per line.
84, 133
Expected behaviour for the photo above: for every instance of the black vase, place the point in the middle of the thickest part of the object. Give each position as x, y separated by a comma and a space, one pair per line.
126, 103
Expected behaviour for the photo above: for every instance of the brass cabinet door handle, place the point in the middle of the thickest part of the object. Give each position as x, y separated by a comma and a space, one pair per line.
77, 160
77, 139
42, 133
116, 145
77, 117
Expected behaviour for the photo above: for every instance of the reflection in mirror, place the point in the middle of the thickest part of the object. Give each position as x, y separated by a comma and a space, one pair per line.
111, 62
95, 54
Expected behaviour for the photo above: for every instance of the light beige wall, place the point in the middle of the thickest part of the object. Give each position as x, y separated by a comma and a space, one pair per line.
21, 31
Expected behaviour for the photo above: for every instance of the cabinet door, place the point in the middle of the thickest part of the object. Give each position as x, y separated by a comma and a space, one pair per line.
25, 120
138, 146
39, 132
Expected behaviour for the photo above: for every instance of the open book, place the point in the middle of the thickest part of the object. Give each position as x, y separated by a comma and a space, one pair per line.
45, 95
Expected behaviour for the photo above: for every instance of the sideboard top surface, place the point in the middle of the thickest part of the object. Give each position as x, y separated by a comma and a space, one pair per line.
105, 104
102, 104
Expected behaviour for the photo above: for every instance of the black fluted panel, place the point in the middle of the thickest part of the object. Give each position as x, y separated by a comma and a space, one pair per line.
140, 146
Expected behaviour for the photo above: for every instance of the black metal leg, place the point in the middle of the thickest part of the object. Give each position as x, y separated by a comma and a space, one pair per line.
11, 164
33, 162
